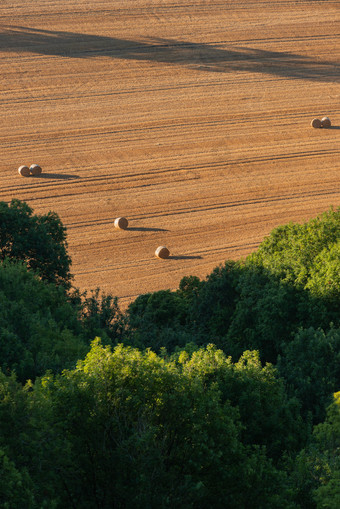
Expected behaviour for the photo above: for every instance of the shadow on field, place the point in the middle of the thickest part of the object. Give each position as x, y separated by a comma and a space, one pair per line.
185, 257
203, 57
145, 229
56, 176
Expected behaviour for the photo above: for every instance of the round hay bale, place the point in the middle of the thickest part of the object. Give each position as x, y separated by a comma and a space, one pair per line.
316, 122
121, 223
326, 122
24, 171
35, 169
162, 252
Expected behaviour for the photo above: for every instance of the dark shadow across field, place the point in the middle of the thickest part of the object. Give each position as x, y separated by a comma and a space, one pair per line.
203, 57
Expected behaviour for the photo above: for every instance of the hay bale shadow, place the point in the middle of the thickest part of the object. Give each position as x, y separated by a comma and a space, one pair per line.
56, 176
146, 229
185, 257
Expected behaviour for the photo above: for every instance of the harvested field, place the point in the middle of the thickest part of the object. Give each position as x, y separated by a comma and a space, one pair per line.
192, 119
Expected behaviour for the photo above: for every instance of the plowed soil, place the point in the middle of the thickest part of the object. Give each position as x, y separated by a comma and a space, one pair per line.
189, 118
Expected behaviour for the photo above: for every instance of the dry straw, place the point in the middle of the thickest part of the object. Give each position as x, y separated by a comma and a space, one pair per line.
162, 252
24, 171
35, 170
316, 122
121, 223
325, 122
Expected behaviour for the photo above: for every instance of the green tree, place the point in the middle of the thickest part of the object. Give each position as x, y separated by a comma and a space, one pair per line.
213, 304
327, 463
138, 431
99, 315
14, 486
268, 416
38, 240
15, 483
290, 250
266, 312
317, 471
243, 306
157, 320
29, 448
324, 280
310, 365
39, 328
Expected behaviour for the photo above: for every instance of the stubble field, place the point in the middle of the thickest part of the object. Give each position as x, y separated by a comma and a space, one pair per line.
190, 118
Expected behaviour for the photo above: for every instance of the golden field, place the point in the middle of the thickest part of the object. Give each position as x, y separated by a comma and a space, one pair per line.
189, 118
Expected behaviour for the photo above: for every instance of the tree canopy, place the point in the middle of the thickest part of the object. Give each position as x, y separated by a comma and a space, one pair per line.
38, 240
222, 393
129, 429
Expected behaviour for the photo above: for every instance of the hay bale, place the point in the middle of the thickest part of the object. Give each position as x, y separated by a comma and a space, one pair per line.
35, 169
326, 122
316, 122
121, 223
24, 171
162, 252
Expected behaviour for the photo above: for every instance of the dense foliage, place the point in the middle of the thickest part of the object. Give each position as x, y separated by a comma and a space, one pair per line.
124, 422
39, 329
38, 240
220, 394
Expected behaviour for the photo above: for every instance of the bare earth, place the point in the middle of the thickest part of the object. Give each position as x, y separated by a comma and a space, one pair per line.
190, 118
